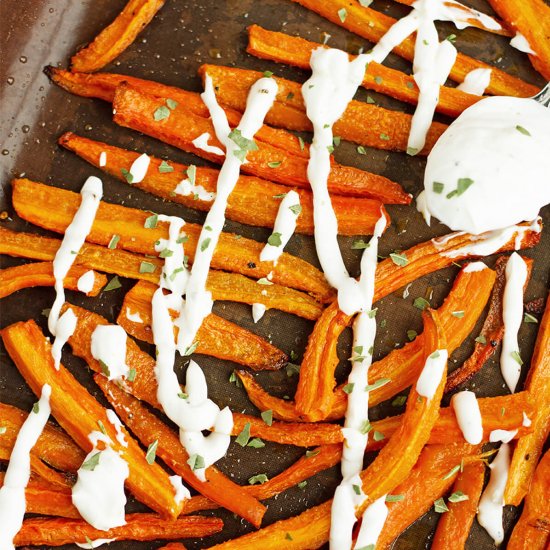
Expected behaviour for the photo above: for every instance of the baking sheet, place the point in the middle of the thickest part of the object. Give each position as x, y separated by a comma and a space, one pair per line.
182, 36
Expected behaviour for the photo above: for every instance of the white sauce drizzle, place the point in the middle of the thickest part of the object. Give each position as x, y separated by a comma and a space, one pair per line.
181, 491
473, 267
202, 143
139, 168
526, 420
86, 282
102, 159
94, 543
460, 17
258, 311
374, 518
134, 317
431, 374
284, 227
520, 43
115, 421
468, 416
108, 345
476, 81
186, 188
74, 238
343, 508
502, 435
12, 493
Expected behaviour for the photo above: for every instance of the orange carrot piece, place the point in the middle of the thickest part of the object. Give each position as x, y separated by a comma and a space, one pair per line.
531, 18
115, 38
53, 208
292, 50
78, 412
529, 448
138, 527
387, 129
372, 25
30, 275
532, 531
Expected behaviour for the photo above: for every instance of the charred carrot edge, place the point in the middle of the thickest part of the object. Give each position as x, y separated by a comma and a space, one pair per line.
453, 527
532, 19
23, 276
115, 38
53, 446
387, 129
78, 412
492, 330
532, 531
53, 208
295, 51
254, 201
529, 448
216, 337
372, 25
149, 428
138, 527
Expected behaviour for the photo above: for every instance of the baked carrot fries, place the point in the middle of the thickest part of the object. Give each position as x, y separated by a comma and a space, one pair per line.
115, 38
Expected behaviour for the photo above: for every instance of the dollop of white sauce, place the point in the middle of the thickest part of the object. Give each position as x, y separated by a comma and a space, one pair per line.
102, 159
476, 81
181, 491
134, 317
202, 143
520, 43
468, 416
85, 282
502, 435
489, 170
139, 168
374, 518
491, 503
108, 345
258, 311
284, 227
512, 315
431, 374
18, 472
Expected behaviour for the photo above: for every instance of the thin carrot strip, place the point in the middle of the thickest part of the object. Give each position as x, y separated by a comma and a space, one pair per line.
30, 275
453, 527
115, 38
372, 25
78, 412
387, 129
138, 527
292, 50
529, 448
53, 208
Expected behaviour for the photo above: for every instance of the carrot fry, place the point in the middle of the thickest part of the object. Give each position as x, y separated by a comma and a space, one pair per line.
53, 208
292, 50
138, 527
23, 276
253, 201
387, 129
115, 38
216, 336
492, 331
532, 531
453, 527
531, 18
372, 25
78, 412
149, 428
529, 448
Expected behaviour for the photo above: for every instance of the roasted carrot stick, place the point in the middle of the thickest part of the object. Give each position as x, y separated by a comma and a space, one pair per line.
529, 448
372, 25
115, 38
254, 201
296, 51
387, 129
532, 531
54, 208
149, 428
30, 275
492, 331
78, 412
453, 527
138, 527
532, 19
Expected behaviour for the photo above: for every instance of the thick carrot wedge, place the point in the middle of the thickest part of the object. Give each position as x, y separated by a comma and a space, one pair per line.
387, 129
491, 333
372, 25
292, 50
254, 201
78, 412
529, 448
532, 19
53, 208
115, 38
453, 527
23, 276
532, 531
216, 337
54, 447
149, 428
138, 527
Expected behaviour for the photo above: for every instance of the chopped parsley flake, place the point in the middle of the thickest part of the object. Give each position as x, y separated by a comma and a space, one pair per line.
127, 175
196, 462
438, 187
301, 142
104, 368
522, 130
452, 472
101, 427
342, 14
528, 318
458, 496
359, 244
421, 303
275, 239
394, 498
288, 536
113, 284
151, 222
147, 267
516, 357
356, 489
244, 144
384, 137
113, 242
166, 253
481, 339
399, 401
302, 484
259, 478
462, 185
152, 452
191, 173
348, 388
378, 79
361, 150
295, 209
36, 408
440, 507
165, 168
411, 334
204, 244
172, 104
91, 463
378, 384
244, 437
310, 454
378, 436
191, 349
412, 151
399, 259
161, 113
131, 376
267, 417
458, 314
274, 164
268, 74
256, 443
365, 427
